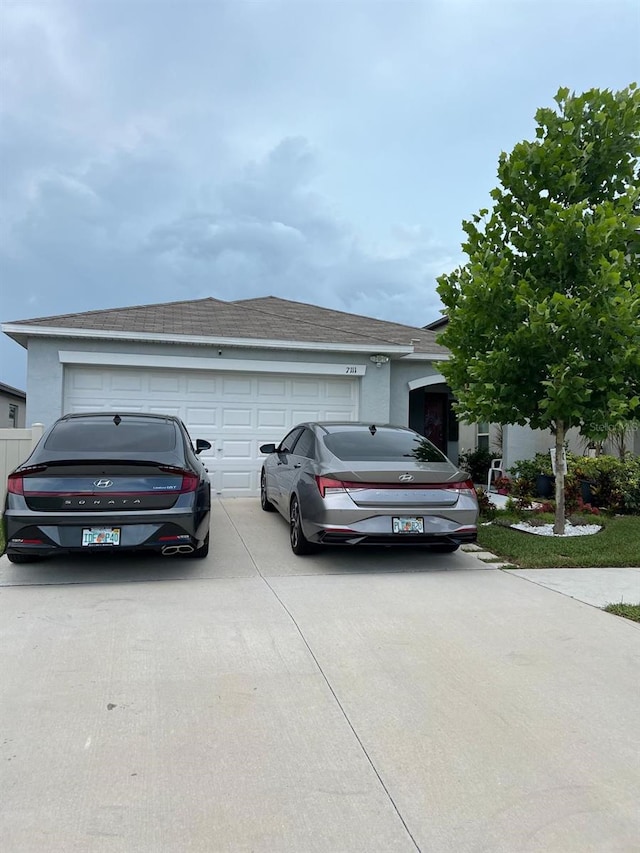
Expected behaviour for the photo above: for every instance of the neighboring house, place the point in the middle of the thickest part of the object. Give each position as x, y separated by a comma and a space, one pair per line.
512, 442
239, 373
12, 407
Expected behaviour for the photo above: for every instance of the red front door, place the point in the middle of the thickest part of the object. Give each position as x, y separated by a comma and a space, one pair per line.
435, 419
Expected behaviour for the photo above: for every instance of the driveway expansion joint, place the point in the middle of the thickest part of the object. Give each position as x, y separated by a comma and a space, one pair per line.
330, 688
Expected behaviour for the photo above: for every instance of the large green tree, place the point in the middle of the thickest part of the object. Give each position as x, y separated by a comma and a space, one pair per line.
544, 318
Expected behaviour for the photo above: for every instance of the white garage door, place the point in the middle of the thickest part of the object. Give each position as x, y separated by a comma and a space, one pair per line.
236, 412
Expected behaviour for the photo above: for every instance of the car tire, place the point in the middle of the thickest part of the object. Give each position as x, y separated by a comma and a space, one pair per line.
447, 548
201, 552
300, 545
23, 558
265, 503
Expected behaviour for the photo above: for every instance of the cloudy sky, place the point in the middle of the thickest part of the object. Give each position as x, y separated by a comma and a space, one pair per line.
318, 150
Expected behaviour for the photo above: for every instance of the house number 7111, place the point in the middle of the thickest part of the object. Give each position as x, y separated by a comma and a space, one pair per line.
351, 369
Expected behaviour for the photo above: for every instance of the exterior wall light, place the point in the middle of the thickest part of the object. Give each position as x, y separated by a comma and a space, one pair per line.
379, 360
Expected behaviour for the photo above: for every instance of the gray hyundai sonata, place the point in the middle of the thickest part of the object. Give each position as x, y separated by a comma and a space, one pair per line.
351, 483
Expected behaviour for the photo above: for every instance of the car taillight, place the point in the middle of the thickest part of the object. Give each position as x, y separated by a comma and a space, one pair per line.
328, 486
189, 482
189, 479
467, 488
15, 482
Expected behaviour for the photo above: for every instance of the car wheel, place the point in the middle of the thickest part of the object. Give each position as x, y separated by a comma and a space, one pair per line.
447, 548
265, 503
201, 552
299, 543
23, 558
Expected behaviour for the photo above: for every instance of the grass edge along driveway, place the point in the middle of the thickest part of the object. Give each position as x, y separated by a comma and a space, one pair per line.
617, 545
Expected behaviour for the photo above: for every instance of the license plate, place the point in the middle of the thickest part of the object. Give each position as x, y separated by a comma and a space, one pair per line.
101, 536
408, 525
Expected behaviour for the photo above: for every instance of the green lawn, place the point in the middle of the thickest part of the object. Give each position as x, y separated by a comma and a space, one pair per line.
618, 544
629, 611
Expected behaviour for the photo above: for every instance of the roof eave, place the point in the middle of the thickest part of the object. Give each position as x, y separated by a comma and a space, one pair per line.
427, 356
21, 334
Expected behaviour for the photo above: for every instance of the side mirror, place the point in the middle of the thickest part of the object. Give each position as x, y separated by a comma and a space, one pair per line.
267, 448
202, 444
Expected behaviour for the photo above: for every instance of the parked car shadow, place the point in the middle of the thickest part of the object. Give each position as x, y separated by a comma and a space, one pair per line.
276, 560
103, 568
375, 559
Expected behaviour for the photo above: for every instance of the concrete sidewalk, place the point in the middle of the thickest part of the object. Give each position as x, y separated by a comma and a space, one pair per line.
597, 586
593, 586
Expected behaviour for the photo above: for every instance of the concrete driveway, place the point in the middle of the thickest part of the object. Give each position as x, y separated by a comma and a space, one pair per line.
349, 701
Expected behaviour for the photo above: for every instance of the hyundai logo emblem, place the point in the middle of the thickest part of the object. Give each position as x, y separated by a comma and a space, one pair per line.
405, 478
103, 484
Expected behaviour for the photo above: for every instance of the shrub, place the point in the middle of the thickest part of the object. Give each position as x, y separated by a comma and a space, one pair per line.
476, 463
527, 471
614, 483
488, 509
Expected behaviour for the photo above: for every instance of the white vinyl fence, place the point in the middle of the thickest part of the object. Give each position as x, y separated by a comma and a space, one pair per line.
15, 446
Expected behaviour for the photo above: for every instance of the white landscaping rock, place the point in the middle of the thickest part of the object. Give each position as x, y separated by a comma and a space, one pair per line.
569, 529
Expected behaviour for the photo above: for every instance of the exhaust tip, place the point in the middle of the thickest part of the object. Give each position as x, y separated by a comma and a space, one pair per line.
169, 550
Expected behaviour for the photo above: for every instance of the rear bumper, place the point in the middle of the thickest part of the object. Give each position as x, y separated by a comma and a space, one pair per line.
442, 526
45, 534
328, 537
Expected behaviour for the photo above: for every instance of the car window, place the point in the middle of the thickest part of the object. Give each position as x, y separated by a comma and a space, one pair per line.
305, 445
102, 434
382, 445
286, 445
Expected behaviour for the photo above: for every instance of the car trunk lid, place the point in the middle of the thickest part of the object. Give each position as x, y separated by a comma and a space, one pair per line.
101, 486
441, 484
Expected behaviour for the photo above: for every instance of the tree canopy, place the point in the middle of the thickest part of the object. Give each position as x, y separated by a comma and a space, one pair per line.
544, 318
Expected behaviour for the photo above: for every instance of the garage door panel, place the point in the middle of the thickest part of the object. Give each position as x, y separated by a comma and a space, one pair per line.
163, 409
272, 388
240, 483
91, 380
161, 383
272, 419
200, 417
307, 389
235, 413
87, 407
339, 389
237, 418
126, 382
338, 415
307, 414
201, 385
237, 387
238, 450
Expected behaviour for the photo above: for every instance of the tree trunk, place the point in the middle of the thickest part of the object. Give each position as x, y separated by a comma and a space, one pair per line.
558, 527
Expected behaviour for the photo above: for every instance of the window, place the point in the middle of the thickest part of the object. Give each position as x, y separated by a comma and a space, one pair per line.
381, 445
13, 415
97, 433
305, 445
286, 445
483, 436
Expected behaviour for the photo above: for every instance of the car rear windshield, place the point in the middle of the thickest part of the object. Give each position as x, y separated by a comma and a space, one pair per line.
381, 446
131, 435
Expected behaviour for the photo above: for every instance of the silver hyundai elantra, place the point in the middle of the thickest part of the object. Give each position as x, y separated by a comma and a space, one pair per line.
351, 483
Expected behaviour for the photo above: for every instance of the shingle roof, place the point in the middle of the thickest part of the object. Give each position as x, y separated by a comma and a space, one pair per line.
267, 318
423, 340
